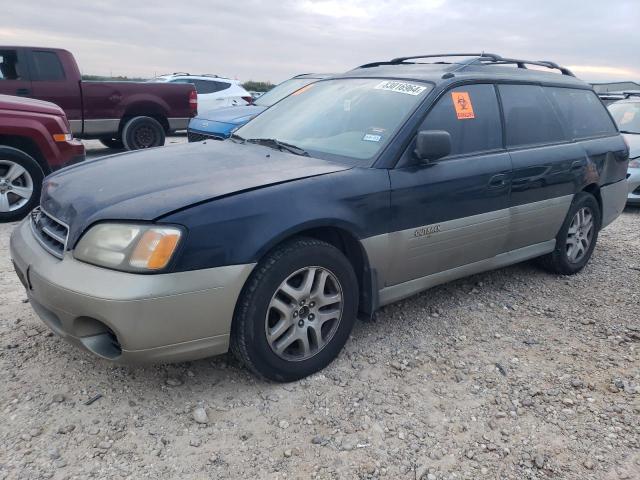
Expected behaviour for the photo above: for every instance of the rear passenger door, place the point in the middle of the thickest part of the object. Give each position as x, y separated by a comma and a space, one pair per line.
454, 211
49, 83
547, 165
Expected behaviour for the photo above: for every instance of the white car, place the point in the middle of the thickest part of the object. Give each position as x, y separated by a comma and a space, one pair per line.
213, 91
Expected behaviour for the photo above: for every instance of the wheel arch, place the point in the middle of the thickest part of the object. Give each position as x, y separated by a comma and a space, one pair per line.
145, 109
594, 190
343, 237
25, 145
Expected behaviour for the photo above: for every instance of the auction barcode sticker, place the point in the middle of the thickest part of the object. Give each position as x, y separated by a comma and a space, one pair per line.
401, 87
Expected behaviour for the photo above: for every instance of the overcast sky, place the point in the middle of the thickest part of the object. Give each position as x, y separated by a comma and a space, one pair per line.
274, 40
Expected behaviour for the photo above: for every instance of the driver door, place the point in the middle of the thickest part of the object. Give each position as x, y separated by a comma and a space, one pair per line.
453, 211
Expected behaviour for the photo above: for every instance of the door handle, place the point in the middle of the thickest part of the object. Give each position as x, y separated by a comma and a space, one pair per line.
498, 181
22, 92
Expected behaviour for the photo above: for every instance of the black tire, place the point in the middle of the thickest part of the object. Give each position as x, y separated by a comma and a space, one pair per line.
248, 334
31, 178
559, 261
115, 143
142, 132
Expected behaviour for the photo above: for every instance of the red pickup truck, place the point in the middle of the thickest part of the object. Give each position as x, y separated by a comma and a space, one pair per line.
128, 115
35, 140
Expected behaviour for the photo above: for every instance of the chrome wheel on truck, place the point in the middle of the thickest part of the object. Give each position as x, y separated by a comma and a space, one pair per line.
20, 183
296, 310
304, 313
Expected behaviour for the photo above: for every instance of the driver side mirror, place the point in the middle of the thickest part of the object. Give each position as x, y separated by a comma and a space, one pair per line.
432, 145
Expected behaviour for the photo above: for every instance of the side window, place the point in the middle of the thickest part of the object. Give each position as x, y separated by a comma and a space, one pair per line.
206, 86
10, 69
47, 66
582, 111
471, 116
530, 118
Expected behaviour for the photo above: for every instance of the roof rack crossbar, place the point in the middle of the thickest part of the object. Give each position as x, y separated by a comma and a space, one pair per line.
483, 58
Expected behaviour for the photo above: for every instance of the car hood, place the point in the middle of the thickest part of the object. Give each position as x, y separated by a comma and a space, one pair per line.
234, 115
21, 104
149, 184
634, 144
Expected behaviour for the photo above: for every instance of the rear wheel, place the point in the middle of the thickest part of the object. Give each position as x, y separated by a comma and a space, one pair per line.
20, 184
115, 143
577, 237
142, 132
296, 311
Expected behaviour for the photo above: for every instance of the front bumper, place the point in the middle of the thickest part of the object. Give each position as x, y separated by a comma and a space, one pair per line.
634, 186
129, 318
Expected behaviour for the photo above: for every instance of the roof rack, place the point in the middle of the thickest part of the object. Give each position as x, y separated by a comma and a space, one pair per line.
477, 58
623, 94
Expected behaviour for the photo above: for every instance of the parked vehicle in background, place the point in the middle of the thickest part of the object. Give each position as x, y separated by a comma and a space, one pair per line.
129, 115
213, 91
353, 193
35, 140
610, 97
218, 124
626, 113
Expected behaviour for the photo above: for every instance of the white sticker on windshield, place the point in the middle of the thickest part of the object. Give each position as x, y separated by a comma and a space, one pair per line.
400, 87
372, 138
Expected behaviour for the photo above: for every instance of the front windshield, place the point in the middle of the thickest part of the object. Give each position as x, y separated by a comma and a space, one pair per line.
281, 90
343, 119
626, 115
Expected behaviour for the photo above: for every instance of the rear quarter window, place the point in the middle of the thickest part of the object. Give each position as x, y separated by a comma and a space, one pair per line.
47, 66
530, 118
209, 86
582, 111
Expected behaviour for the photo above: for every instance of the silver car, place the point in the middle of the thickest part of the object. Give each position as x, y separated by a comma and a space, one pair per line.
626, 113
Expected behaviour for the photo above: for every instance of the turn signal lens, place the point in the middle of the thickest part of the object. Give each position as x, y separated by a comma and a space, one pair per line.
155, 248
62, 137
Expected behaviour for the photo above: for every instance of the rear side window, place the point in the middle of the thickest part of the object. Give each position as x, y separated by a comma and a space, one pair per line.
582, 112
209, 86
47, 66
471, 116
10, 69
530, 118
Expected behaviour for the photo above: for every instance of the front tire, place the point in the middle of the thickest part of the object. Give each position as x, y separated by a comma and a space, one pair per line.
142, 132
20, 184
577, 237
296, 310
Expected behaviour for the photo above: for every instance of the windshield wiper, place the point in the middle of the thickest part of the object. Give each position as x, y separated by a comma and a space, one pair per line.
629, 132
235, 136
277, 144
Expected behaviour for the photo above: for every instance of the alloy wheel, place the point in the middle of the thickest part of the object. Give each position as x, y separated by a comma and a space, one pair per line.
304, 313
16, 186
580, 234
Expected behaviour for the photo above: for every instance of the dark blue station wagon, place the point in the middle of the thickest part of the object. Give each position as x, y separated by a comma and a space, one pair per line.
352, 193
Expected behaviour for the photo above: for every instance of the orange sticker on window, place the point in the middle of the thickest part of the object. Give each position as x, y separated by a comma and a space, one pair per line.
462, 104
302, 90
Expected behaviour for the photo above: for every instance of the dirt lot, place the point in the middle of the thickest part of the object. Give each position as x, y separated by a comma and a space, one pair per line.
512, 374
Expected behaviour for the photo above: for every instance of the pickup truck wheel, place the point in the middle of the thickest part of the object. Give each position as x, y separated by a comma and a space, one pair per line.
296, 310
115, 143
142, 132
20, 184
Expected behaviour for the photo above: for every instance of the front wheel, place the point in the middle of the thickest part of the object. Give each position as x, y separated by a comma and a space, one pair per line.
20, 184
296, 311
142, 132
577, 237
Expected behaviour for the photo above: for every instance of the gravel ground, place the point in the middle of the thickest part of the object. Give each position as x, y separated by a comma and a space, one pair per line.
512, 374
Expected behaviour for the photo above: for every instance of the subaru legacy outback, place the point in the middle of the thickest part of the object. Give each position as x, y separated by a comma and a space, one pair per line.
354, 192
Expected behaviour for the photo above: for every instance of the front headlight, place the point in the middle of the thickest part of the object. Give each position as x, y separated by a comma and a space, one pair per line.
128, 247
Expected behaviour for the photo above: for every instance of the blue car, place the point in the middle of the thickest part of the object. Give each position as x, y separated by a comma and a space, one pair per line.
355, 192
219, 123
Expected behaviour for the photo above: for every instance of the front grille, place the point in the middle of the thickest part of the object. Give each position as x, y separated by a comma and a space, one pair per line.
199, 137
50, 232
